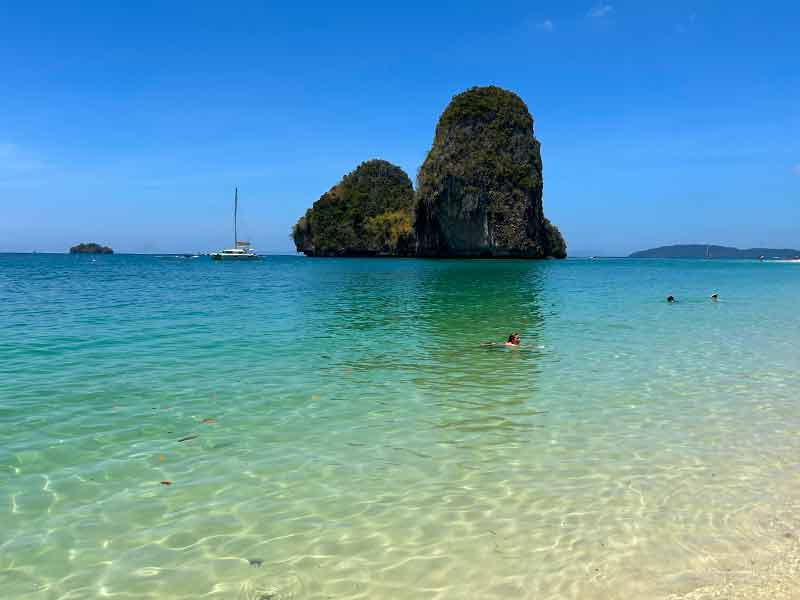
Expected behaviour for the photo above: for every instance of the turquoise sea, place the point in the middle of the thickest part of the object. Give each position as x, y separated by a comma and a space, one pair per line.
359, 442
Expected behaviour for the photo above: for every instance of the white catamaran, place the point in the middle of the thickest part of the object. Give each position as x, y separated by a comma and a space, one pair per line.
241, 250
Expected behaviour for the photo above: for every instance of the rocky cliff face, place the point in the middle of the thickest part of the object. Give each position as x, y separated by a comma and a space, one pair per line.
368, 213
479, 191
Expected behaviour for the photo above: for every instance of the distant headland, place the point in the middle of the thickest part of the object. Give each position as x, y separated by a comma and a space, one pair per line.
90, 248
707, 251
479, 193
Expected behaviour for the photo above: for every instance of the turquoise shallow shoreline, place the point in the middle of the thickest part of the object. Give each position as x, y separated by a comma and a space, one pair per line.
367, 446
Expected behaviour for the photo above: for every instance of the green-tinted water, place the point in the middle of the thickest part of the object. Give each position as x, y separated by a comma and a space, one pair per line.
367, 446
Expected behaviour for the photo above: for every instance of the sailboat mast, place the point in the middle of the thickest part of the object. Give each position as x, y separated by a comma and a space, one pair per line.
235, 215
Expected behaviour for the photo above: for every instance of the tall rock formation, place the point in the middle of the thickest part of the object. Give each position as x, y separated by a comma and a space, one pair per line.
368, 213
479, 191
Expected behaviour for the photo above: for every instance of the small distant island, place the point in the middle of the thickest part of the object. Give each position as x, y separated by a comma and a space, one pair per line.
90, 248
707, 251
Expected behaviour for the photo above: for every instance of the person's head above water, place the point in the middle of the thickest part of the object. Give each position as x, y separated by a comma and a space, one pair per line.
670, 299
513, 339
714, 297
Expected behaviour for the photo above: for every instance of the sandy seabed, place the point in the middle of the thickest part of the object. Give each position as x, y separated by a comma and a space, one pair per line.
779, 580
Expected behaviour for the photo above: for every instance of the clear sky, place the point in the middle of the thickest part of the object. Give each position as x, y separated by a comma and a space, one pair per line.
130, 123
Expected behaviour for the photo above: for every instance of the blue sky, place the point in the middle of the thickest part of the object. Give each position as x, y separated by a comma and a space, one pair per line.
130, 123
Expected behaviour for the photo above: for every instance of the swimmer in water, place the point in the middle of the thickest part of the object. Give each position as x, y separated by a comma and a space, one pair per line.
513, 341
671, 300
714, 297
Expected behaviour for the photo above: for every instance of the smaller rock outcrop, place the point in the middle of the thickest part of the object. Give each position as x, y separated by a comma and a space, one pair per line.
90, 248
369, 212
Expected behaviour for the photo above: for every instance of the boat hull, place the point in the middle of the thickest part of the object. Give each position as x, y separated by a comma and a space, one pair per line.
234, 257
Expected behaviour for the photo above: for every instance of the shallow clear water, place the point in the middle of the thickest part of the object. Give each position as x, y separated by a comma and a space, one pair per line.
367, 446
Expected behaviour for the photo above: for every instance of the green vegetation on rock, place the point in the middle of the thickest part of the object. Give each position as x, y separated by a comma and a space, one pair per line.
90, 248
368, 213
556, 245
479, 191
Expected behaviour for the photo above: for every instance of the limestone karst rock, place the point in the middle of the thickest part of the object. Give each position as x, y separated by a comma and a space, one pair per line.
368, 213
90, 248
479, 191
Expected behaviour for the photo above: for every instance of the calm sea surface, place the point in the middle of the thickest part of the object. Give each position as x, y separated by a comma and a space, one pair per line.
360, 442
